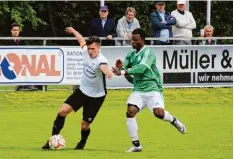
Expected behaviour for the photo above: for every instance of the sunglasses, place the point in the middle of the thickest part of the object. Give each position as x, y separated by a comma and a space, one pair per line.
103, 11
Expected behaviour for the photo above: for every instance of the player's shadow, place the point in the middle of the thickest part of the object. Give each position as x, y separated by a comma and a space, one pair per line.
90, 150
9, 148
103, 150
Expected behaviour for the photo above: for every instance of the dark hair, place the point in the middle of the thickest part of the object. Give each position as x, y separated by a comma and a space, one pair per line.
93, 39
139, 31
14, 25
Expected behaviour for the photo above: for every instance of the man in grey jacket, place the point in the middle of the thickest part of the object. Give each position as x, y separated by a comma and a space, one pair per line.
126, 25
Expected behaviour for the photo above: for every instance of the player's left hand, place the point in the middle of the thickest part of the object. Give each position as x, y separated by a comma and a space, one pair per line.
116, 71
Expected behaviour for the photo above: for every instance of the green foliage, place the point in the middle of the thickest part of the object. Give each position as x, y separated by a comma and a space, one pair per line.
21, 12
51, 18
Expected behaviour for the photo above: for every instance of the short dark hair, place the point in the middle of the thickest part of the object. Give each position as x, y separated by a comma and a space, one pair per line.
14, 25
93, 39
139, 31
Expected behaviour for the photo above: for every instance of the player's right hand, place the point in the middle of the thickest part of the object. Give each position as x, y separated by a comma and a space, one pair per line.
118, 63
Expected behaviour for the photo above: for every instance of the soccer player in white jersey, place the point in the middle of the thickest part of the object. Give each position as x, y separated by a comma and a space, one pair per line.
92, 91
141, 64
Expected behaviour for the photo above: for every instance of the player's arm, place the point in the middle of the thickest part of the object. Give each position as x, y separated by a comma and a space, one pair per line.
119, 64
106, 70
79, 37
139, 69
128, 78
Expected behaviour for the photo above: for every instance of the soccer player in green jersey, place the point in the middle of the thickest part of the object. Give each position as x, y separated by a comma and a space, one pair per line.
141, 64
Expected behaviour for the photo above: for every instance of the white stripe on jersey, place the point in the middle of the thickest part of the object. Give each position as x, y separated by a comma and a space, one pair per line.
145, 57
92, 79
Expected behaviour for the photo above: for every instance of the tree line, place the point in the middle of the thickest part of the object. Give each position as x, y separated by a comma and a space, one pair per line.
50, 18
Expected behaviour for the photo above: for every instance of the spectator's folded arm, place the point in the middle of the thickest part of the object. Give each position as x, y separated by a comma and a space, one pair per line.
156, 23
182, 23
192, 24
171, 21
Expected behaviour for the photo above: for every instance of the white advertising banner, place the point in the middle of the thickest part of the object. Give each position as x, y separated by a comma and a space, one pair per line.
181, 66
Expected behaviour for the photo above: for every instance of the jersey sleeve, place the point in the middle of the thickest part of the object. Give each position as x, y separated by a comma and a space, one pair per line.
103, 61
84, 50
144, 64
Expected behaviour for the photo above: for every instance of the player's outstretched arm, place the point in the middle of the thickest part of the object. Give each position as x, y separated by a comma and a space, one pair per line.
80, 38
106, 70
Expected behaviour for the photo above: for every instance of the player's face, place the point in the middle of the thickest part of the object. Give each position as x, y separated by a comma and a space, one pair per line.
137, 41
93, 50
181, 7
15, 31
208, 32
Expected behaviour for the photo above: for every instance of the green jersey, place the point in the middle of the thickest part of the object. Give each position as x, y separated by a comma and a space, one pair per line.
142, 65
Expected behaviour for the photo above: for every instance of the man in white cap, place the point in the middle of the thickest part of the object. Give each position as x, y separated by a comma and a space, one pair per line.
184, 24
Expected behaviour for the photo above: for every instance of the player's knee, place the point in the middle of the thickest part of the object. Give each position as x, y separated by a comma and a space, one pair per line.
84, 125
62, 112
131, 112
159, 113
130, 115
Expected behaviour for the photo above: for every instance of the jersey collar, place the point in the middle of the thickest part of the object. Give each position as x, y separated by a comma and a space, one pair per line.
140, 51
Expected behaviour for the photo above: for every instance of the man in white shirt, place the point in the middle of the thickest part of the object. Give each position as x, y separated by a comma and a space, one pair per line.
184, 24
92, 91
126, 25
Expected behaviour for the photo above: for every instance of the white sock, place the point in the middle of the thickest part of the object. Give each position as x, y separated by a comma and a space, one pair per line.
167, 116
132, 128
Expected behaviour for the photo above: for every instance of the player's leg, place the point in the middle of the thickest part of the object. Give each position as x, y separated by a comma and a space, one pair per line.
73, 103
155, 102
64, 110
90, 110
135, 103
166, 116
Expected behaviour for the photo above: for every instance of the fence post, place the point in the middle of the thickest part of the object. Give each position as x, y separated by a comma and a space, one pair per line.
44, 87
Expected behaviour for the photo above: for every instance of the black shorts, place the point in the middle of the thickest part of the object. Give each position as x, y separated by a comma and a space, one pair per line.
90, 105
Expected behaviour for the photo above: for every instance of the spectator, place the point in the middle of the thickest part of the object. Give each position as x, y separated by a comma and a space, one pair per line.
184, 23
126, 25
162, 22
208, 33
15, 33
103, 27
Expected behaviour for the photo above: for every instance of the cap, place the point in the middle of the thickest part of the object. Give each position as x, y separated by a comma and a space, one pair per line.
103, 8
157, 2
181, 1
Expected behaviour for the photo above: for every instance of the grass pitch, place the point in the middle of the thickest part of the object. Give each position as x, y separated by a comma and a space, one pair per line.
26, 119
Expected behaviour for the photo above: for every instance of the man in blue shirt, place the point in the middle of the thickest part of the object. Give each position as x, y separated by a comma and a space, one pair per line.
162, 22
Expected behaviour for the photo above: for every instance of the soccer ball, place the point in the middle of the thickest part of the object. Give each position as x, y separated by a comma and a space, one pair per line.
57, 142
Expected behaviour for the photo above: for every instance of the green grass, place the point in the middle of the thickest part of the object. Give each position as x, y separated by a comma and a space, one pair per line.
26, 119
